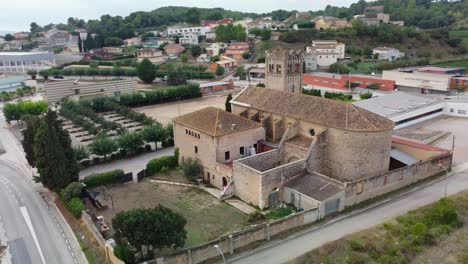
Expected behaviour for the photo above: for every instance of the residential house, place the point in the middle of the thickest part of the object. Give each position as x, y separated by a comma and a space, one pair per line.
326, 52
216, 48
180, 30
216, 138
237, 49
112, 49
387, 53
189, 39
326, 22
154, 55
156, 42
210, 35
227, 63
97, 53
57, 36
174, 49
21, 35
136, 41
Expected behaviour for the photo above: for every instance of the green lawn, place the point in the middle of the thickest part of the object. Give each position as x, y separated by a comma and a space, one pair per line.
458, 63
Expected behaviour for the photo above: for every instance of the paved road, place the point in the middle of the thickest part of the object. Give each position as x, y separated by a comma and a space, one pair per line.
32, 234
133, 164
276, 252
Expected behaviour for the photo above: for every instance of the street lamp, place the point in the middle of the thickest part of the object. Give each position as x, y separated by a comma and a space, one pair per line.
446, 181
220, 252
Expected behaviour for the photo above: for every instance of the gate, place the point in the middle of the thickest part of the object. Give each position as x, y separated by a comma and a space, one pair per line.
141, 175
127, 177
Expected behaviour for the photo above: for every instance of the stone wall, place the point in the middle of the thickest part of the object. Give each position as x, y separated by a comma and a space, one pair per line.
357, 155
236, 241
364, 189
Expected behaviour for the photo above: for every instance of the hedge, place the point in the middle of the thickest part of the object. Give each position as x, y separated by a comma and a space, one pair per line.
155, 165
104, 178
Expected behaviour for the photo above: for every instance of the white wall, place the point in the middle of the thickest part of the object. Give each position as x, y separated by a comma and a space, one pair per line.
459, 109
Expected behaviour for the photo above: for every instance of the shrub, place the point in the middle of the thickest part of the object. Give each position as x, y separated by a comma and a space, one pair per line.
165, 170
356, 245
73, 190
104, 178
124, 253
155, 165
192, 169
75, 206
279, 213
373, 86
365, 96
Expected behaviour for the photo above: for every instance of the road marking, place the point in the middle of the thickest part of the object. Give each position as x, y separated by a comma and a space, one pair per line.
24, 212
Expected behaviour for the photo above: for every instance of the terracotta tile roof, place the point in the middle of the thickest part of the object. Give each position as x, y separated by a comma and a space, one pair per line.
216, 122
318, 110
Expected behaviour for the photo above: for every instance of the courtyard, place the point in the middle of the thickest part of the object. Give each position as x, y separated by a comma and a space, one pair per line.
207, 218
455, 126
166, 112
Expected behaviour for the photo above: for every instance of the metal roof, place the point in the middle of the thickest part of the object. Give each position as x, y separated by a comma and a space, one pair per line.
12, 79
22, 56
403, 157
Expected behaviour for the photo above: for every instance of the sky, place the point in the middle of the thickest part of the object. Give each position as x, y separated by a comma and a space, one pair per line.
16, 15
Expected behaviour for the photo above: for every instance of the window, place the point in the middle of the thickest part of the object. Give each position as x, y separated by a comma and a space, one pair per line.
255, 147
198, 136
241, 151
186, 131
462, 112
77, 91
227, 155
451, 110
116, 93
196, 149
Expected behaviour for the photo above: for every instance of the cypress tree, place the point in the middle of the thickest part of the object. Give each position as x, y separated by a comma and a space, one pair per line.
55, 159
227, 104
32, 123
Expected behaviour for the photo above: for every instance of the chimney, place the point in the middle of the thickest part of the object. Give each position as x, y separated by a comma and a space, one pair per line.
233, 126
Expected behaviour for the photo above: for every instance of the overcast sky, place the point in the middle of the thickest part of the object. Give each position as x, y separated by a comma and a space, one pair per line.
18, 14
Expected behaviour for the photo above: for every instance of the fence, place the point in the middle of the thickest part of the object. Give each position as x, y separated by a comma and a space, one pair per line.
234, 242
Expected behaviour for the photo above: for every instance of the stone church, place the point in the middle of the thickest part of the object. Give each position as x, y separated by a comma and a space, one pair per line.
306, 151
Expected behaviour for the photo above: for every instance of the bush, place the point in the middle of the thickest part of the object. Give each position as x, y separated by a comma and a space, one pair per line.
373, 86
124, 253
155, 165
313, 92
75, 206
365, 96
279, 213
192, 169
73, 190
104, 178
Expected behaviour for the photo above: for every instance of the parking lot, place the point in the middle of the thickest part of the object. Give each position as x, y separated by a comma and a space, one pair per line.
166, 112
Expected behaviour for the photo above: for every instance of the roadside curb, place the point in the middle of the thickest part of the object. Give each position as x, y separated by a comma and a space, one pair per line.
337, 219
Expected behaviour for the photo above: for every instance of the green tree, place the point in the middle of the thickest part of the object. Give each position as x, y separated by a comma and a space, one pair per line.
9, 37
240, 72
192, 169
154, 133
73, 190
227, 104
192, 16
130, 141
32, 123
176, 77
219, 71
80, 44
146, 71
54, 156
157, 228
229, 32
195, 50
184, 58
44, 74
246, 55
103, 145
265, 34
33, 74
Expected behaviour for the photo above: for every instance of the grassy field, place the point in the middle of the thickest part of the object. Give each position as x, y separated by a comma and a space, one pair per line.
457, 63
433, 234
207, 218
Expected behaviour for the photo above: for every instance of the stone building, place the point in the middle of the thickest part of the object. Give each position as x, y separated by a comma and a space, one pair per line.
284, 70
216, 138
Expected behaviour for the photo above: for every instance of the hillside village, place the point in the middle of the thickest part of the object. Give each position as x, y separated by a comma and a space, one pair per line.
209, 135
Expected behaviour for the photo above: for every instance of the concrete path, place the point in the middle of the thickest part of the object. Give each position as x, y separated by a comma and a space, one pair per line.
243, 206
281, 251
133, 164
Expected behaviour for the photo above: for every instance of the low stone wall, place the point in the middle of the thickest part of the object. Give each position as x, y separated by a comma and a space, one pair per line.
361, 190
232, 243
89, 224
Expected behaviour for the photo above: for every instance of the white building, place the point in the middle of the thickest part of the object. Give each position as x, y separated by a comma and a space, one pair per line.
326, 52
214, 49
406, 109
310, 61
172, 31
386, 53
24, 61
189, 39
210, 35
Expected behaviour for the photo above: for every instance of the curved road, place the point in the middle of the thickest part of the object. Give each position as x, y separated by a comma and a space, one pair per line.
33, 235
